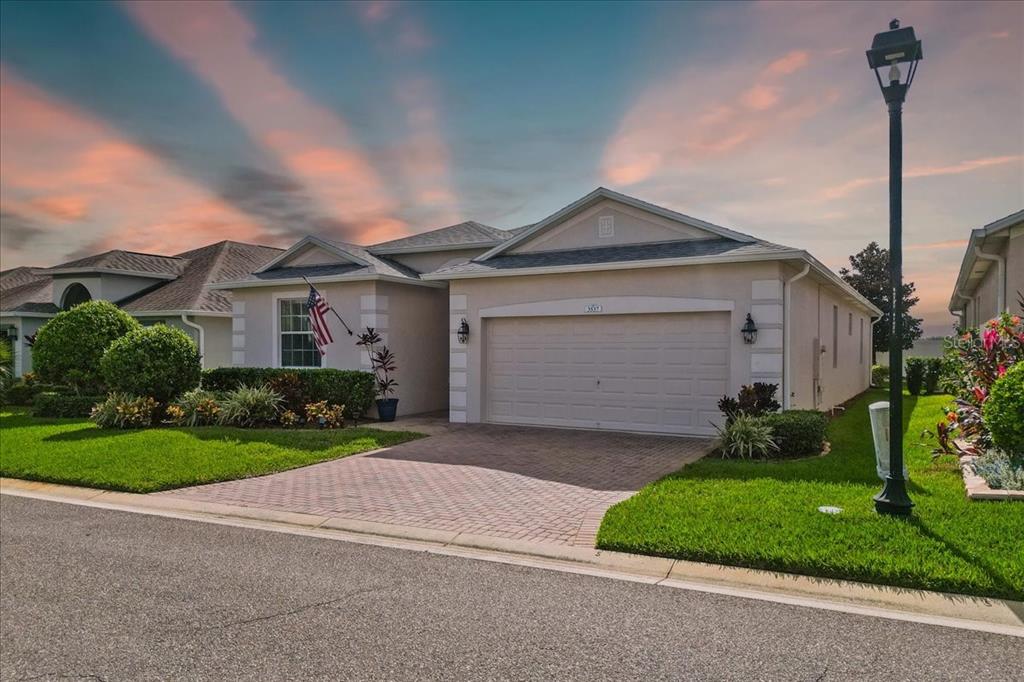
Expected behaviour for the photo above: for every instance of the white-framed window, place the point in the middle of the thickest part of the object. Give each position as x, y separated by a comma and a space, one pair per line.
297, 348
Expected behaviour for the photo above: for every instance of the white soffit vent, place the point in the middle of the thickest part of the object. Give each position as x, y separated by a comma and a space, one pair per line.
606, 226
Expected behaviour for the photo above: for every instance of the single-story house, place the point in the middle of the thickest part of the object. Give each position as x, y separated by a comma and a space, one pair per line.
991, 277
153, 288
611, 313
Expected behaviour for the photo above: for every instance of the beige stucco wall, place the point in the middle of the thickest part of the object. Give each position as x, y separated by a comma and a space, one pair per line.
631, 226
750, 287
416, 324
411, 320
1015, 268
811, 308
428, 262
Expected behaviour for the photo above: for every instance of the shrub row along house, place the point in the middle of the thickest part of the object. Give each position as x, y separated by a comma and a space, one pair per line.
611, 313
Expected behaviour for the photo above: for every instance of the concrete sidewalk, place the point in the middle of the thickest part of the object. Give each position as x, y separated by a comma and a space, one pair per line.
975, 613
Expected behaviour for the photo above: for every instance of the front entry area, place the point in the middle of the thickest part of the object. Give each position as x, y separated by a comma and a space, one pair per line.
656, 373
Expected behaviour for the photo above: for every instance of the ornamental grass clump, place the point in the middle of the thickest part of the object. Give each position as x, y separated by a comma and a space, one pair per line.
250, 406
747, 437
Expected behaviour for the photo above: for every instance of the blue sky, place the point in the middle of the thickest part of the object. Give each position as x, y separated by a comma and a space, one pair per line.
164, 126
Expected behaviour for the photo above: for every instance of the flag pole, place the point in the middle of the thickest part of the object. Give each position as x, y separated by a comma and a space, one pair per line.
331, 308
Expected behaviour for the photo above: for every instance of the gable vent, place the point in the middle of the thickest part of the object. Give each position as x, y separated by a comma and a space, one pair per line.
606, 226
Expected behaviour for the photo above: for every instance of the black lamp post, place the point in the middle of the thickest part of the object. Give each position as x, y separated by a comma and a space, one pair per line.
888, 50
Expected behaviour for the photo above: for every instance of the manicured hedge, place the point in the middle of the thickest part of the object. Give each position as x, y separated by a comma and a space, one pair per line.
352, 388
933, 368
798, 433
49, 404
23, 393
880, 375
915, 370
1004, 411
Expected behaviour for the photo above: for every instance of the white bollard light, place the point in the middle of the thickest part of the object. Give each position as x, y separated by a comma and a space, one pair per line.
880, 432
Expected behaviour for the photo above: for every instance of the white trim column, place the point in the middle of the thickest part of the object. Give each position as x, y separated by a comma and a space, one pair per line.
458, 359
766, 309
238, 333
373, 309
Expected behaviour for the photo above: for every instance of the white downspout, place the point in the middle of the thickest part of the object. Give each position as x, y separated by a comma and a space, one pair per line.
786, 340
202, 337
1001, 275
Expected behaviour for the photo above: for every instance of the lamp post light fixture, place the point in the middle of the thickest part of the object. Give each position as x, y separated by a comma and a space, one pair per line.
749, 330
463, 332
888, 51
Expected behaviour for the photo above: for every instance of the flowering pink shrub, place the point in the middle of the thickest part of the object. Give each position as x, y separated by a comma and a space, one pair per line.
974, 361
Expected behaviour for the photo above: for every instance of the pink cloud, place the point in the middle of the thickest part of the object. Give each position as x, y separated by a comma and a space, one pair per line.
760, 97
844, 189
934, 246
77, 170
791, 63
217, 42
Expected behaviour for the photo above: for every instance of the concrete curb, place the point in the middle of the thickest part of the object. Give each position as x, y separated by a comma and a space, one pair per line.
999, 616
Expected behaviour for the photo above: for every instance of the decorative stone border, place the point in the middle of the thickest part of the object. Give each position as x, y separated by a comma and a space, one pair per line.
977, 488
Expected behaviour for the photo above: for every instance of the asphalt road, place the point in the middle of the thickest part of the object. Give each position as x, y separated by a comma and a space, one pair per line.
94, 594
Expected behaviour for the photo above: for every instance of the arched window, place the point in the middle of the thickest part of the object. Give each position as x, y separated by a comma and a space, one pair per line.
75, 294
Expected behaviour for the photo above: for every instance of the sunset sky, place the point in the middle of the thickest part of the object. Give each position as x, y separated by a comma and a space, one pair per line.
162, 127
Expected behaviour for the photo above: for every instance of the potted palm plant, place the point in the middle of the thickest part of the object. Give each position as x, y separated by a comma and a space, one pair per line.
382, 361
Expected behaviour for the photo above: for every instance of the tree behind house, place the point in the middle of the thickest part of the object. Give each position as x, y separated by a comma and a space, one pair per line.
869, 274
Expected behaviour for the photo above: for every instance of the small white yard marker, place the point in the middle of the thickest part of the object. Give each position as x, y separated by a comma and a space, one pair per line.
830, 510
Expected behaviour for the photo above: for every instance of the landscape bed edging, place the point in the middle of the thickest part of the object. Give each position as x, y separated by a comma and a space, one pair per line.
978, 488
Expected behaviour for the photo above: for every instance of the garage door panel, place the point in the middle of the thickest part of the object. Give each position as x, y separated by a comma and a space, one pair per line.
660, 372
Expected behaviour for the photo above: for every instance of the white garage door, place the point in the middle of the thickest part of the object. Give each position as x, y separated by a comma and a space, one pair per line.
660, 372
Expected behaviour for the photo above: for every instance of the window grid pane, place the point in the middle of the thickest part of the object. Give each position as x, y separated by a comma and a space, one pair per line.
297, 346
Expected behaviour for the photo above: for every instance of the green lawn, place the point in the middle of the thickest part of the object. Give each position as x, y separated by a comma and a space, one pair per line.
764, 515
75, 451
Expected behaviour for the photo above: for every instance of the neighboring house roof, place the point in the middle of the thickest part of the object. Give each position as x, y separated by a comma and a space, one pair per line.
464, 235
973, 269
23, 290
123, 262
209, 264
30, 290
357, 262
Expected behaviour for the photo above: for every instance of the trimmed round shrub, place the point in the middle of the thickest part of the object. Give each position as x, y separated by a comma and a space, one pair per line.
798, 433
1004, 410
158, 361
68, 348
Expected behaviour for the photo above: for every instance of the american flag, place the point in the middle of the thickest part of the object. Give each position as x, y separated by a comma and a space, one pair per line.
316, 306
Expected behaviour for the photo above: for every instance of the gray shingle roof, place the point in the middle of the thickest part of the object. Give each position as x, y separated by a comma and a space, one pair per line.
469, 233
691, 248
218, 262
375, 265
129, 261
209, 264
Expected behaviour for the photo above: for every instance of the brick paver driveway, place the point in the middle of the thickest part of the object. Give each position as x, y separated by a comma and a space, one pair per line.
541, 485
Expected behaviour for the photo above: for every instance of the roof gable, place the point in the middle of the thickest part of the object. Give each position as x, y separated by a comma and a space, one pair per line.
313, 251
646, 218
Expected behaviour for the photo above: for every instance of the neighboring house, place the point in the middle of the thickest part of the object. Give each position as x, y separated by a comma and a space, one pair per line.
992, 272
612, 313
153, 288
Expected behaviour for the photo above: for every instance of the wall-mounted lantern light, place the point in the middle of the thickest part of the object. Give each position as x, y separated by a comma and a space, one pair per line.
749, 330
463, 332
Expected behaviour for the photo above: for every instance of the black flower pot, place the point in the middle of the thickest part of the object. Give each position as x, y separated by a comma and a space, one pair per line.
387, 408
